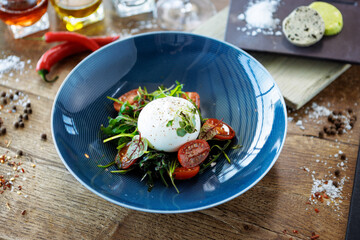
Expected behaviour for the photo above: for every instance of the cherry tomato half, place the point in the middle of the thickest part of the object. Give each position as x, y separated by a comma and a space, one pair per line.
224, 131
129, 96
193, 153
122, 161
194, 96
182, 173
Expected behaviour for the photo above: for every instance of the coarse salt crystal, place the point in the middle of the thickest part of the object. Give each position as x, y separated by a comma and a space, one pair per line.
318, 111
241, 16
11, 63
260, 15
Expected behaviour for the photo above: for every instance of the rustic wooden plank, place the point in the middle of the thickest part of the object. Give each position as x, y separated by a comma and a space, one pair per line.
59, 207
56, 202
299, 79
28, 139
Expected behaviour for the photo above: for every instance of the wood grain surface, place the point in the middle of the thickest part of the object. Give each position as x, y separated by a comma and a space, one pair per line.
59, 207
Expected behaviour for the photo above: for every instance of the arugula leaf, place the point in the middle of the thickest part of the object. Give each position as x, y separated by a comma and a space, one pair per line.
207, 132
171, 169
214, 157
137, 147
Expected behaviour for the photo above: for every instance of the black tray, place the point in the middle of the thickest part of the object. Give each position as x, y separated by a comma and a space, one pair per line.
342, 47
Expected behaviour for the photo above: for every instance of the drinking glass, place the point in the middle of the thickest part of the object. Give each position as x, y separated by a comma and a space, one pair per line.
24, 17
184, 15
127, 8
77, 14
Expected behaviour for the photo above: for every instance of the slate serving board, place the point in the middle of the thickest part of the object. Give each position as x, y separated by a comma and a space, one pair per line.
342, 47
299, 78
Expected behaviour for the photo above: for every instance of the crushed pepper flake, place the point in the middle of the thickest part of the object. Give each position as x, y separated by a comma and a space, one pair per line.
315, 236
86, 155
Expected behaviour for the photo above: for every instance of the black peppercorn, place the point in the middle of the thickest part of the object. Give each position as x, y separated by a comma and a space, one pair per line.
43, 136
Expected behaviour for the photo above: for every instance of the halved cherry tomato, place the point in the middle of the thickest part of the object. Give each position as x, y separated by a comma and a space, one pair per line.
194, 96
193, 153
182, 173
129, 96
122, 161
224, 131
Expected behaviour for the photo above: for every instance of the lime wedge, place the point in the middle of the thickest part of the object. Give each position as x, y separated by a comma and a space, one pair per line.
331, 15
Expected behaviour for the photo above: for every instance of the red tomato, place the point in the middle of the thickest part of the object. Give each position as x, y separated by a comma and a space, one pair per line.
194, 96
224, 131
129, 96
182, 173
122, 161
193, 153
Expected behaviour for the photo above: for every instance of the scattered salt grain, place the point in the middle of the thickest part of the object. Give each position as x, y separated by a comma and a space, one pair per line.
300, 124
318, 111
327, 187
259, 15
241, 16
11, 63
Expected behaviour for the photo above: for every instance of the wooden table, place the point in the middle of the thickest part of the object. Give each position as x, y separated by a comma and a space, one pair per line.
59, 207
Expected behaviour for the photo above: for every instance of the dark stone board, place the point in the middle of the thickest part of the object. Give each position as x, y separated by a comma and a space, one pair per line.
344, 47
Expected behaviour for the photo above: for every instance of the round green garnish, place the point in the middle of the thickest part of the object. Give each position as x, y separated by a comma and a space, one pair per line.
331, 15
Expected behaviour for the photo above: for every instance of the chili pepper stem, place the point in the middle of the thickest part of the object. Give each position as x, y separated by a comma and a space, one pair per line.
43, 73
35, 38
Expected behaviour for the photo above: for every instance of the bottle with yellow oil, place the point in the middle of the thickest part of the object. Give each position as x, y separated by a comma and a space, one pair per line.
79, 13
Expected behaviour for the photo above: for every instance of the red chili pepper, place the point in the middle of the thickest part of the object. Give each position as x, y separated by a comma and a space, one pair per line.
71, 37
59, 52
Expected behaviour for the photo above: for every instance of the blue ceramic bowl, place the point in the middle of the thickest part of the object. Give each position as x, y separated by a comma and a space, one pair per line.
232, 85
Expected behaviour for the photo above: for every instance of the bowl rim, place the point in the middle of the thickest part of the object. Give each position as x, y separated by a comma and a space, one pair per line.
193, 209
